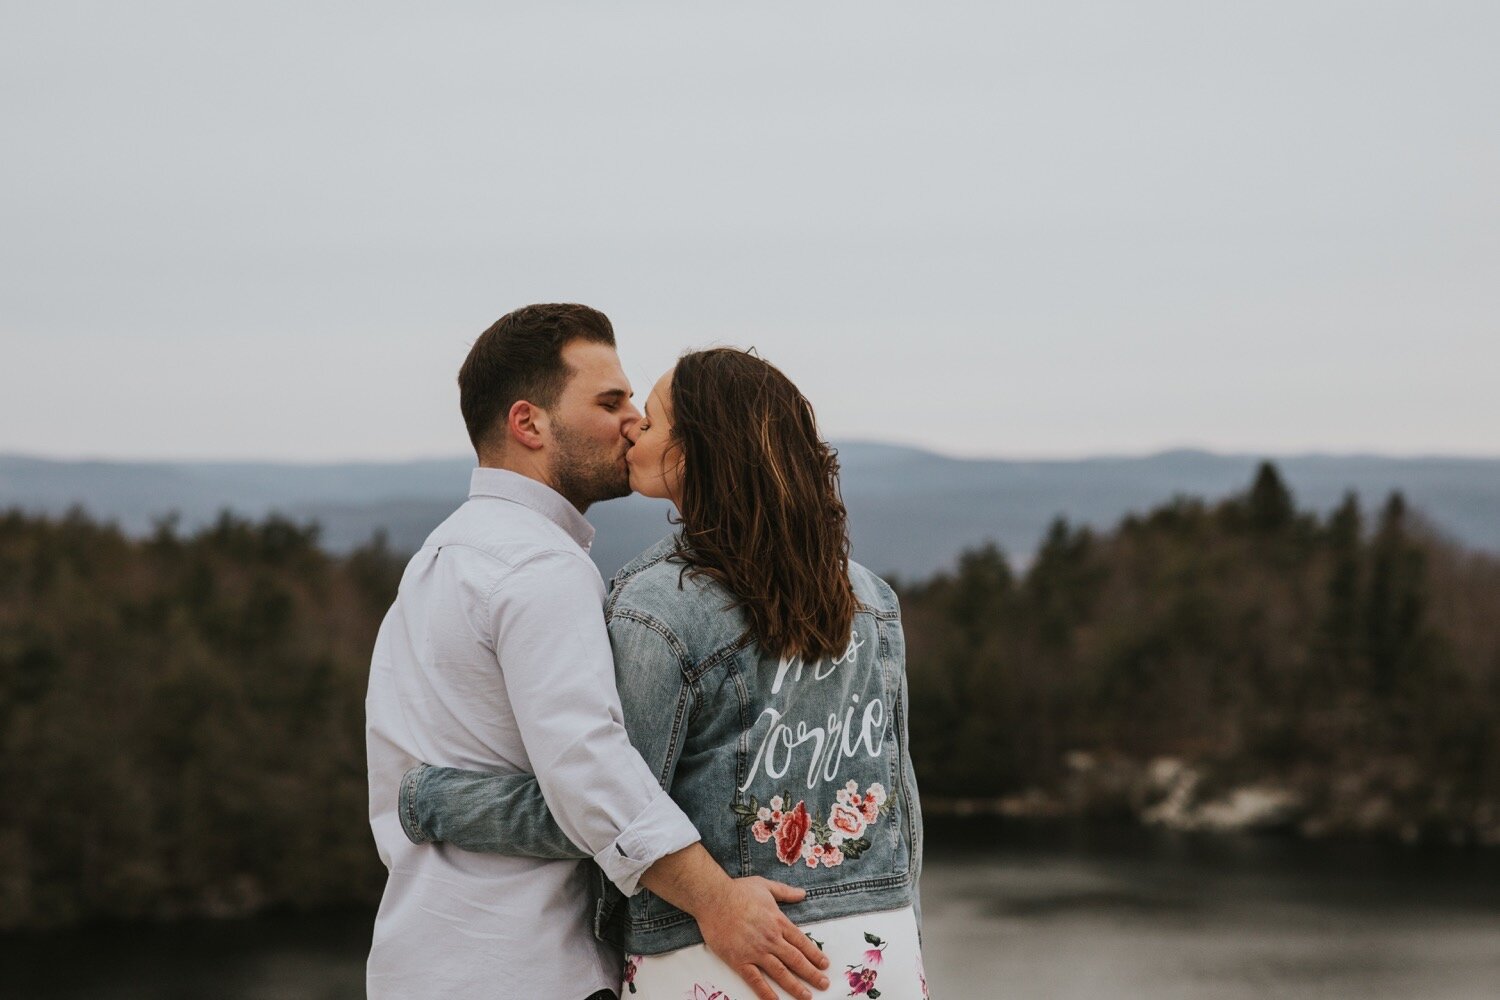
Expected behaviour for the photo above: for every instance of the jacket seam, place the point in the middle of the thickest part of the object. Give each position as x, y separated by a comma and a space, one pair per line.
741, 754
907, 819
719, 655
674, 748
624, 576
660, 628
669, 920
679, 712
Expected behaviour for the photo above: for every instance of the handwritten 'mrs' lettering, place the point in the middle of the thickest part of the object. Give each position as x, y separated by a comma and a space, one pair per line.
822, 669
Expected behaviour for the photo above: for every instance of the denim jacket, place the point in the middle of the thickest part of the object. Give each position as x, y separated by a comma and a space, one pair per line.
796, 771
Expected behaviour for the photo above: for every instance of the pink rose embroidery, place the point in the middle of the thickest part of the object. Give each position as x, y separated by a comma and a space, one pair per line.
801, 837
789, 834
847, 820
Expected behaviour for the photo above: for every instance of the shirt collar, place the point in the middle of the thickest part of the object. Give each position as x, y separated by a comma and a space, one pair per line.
506, 485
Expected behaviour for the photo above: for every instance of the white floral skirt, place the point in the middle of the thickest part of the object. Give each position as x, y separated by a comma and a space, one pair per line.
872, 955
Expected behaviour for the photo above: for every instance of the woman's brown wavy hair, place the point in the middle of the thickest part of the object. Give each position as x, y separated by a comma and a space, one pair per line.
761, 509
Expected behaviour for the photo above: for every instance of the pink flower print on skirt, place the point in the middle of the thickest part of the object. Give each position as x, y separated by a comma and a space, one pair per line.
871, 955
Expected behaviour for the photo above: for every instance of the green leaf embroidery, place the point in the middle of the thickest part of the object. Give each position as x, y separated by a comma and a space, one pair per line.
872, 939
746, 814
854, 848
874, 994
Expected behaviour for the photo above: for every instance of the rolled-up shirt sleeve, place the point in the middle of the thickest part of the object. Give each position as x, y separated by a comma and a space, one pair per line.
554, 654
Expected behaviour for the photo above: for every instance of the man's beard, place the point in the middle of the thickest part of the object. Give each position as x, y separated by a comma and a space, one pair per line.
585, 472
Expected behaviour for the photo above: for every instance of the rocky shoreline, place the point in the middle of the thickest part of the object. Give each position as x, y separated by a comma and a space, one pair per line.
1386, 799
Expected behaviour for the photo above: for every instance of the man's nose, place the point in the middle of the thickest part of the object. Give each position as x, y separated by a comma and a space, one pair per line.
630, 422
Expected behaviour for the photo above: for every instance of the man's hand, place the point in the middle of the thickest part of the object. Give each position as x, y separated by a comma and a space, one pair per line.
753, 937
741, 922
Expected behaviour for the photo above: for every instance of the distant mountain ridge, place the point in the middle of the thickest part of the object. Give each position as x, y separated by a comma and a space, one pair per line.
911, 511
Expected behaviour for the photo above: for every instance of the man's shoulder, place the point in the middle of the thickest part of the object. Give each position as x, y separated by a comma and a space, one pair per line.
510, 531
504, 536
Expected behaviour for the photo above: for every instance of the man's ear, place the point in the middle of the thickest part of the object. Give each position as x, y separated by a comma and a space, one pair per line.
526, 424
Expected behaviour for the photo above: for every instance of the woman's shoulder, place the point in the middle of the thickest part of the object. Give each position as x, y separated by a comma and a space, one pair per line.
872, 591
660, 586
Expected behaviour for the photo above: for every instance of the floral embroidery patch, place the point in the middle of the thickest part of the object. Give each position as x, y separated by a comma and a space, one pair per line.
862, 976
801, 837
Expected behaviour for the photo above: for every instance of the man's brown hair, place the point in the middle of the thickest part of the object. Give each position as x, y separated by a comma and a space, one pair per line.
520, 357
761, 510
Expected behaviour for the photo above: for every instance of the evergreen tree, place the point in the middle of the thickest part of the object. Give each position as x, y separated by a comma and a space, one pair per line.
1341, 623
1271, 508
1061, 583
983, 583
1396, 602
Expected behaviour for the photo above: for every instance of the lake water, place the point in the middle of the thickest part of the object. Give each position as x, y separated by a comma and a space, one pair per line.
1009, 911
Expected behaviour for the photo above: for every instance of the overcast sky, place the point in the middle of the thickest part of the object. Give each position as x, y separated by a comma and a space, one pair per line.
1005, 229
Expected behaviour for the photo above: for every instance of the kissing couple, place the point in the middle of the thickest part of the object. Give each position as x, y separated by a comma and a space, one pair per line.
693, 784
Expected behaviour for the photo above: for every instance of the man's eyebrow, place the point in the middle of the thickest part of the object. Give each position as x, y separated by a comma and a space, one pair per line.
616, 394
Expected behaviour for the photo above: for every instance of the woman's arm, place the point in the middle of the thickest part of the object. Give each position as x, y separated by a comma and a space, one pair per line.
480, 811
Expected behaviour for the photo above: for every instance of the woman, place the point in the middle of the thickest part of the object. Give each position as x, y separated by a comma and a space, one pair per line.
762, 676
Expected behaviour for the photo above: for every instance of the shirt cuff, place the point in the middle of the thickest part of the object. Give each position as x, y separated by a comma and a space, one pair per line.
659, 830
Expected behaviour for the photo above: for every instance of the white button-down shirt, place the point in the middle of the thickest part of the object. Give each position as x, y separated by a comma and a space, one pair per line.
495, 657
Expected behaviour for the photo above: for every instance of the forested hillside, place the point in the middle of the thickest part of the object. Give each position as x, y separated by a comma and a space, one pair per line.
181, 719
181, 716
1349, 668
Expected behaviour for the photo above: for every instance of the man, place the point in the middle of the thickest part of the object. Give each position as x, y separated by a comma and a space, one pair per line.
495, 657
